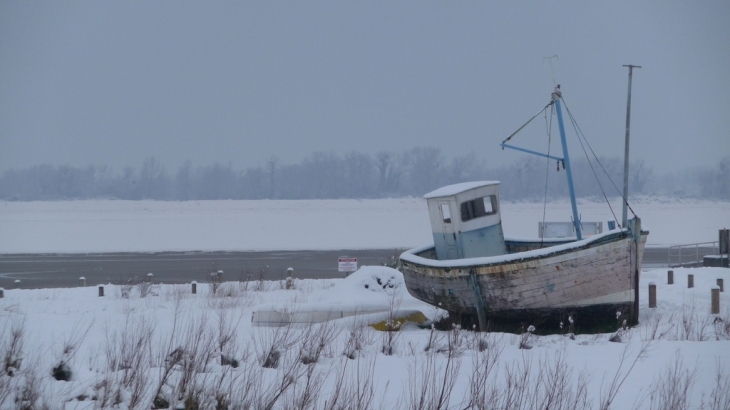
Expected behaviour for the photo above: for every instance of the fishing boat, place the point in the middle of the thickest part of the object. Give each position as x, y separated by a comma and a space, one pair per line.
482, 277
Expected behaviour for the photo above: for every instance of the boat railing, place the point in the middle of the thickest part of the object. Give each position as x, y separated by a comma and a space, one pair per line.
690, 255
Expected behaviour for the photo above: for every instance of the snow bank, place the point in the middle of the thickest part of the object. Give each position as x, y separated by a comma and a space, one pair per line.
369, 290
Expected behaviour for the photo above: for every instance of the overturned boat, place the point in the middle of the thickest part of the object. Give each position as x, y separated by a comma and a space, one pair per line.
482, 277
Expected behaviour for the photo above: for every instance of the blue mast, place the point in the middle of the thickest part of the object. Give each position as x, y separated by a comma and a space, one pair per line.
556, 96
566, 161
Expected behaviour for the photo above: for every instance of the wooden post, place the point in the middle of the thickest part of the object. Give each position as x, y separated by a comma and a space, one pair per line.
101, 290
290, 278
82, 281
690, 281
715, 300
150, 277
670, 277
194, 287
652, 295
17, 283
720, 284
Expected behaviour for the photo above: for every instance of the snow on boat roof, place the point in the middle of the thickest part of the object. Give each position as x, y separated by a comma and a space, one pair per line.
454, 189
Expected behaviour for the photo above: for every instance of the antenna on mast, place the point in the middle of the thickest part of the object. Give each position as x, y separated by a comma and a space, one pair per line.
551, 66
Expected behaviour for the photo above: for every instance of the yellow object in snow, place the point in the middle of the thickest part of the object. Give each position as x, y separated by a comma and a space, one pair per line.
415, 317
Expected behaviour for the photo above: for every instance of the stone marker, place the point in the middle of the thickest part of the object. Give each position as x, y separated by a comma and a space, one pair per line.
150, 277
82, 281
17, 283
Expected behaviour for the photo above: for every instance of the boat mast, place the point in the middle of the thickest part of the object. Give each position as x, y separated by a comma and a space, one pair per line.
566, 162
624, 218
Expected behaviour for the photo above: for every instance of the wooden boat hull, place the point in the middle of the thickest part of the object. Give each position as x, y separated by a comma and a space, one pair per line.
589, 280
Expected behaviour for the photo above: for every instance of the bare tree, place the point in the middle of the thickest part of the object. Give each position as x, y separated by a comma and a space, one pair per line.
153, 182
272, 164
390, 169
184, 181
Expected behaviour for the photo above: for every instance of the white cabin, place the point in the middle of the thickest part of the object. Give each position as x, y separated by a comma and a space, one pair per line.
466, 220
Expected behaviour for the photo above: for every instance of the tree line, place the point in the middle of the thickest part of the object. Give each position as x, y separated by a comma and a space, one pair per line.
327, 175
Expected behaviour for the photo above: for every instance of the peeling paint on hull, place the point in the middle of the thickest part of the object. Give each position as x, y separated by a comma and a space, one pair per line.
596, 279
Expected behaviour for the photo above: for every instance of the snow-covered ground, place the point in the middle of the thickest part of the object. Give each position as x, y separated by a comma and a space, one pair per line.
152, 226
123, 352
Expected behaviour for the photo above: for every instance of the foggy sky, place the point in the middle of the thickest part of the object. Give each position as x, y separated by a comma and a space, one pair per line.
114, 82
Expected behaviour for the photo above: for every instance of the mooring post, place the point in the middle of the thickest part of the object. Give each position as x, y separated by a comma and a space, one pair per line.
690, 281
652, 295
194, 286
82, 281
150, 277
219, 276
715, 300
101, 290
290, 278
670, 277
720, 284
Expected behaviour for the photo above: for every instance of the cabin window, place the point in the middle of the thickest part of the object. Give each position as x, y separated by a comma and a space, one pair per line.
479, 207
446, 213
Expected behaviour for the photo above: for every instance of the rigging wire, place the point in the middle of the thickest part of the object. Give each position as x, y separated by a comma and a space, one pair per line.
528, 121
548, 128
575, 126
599, 163
580, 134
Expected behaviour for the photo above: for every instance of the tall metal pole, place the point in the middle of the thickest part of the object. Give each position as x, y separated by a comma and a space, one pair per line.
624, 218
566, 162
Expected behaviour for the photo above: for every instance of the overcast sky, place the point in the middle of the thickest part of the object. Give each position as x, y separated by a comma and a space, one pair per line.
114, 82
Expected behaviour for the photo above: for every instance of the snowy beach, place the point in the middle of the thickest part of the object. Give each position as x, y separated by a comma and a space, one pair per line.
141, 346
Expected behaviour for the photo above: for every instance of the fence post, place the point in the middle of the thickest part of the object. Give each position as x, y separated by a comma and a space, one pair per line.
680, 256
652, 295
690, 281
82, 281
697, 252
194, 287
715, 300
101, 290
670, 277
721, 284
150, 277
